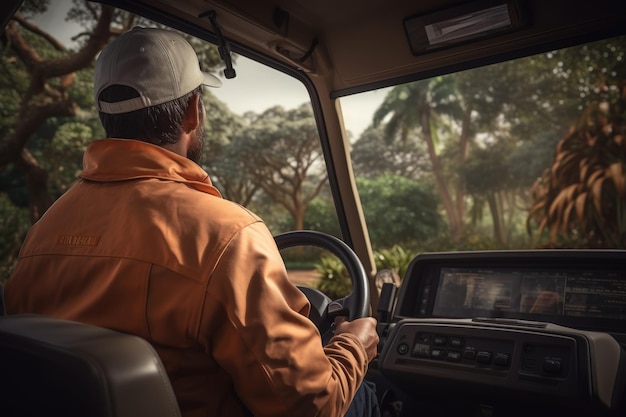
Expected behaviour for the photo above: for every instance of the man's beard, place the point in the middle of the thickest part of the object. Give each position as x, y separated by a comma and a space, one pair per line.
194, 152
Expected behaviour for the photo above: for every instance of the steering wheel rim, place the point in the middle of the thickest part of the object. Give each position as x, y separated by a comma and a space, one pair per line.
357, 303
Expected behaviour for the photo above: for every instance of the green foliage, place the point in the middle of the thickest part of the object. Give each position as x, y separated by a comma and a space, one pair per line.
321, 215
528, 161
428, 109
374, 155
82, 92
13, 185
474, 239
488, 178
31, 8
273, 214
334, 280
14, 223
416, 105
272, 162
63, 161
219, 158
508, 114
58, 143
399, 210
333, 276
395, 258
279, 152
487, 169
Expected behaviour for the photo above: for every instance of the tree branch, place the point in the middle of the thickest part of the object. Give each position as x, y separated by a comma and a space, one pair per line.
18, 17
29, 121
37, 184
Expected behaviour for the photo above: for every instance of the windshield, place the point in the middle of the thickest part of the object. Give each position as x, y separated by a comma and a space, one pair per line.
527, 153
523, 154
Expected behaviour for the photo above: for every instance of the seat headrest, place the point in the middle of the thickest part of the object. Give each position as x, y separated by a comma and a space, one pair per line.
50, 366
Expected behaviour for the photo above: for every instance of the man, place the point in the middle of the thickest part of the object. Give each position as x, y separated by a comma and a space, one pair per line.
144, 244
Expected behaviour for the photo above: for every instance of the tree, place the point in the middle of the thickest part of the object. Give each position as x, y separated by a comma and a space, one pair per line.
518, 109
487, 177
373, 156
321, 214
220, 156
49, 80
45, 71
421, 106
583, 197
47, 114
508, 104
530, 103
400, 211
281, 152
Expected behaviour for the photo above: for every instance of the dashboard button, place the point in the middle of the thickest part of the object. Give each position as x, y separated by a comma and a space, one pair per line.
437, 354
454, 356
403, 349
421, 350
501, 359
469, 354
456, 342
483, 357
552, 366
440, 340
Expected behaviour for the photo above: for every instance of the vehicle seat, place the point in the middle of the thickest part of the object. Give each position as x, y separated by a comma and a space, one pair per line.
57, 367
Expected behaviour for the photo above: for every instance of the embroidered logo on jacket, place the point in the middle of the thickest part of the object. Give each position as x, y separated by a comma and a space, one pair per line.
77, 240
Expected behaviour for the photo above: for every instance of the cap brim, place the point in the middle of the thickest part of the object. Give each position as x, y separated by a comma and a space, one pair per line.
211, 80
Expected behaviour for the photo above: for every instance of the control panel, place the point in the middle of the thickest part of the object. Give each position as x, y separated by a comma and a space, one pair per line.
522, 359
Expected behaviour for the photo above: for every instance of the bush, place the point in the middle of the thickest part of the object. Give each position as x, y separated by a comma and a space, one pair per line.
335, 282
396, 259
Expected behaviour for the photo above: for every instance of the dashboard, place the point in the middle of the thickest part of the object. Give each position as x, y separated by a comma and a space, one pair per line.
514, 331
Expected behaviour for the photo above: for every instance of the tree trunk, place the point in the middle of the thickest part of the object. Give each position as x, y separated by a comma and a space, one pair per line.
455, 223
298, 217
37, 185
498, 232
464, 151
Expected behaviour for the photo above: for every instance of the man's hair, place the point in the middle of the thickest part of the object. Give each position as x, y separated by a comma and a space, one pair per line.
158, 124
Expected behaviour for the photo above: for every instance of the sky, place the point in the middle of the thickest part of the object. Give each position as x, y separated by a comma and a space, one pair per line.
255, 88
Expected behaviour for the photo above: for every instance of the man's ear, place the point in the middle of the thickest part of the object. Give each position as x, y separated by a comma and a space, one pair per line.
192, 118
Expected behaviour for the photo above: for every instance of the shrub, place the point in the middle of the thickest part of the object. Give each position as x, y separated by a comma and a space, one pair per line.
335, 282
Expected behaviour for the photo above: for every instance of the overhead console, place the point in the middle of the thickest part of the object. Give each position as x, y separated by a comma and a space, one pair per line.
543, 327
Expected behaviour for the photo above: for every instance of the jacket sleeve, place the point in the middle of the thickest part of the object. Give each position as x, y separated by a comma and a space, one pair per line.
272, 351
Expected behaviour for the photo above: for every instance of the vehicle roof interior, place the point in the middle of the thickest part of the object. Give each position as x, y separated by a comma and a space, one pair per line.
365, 42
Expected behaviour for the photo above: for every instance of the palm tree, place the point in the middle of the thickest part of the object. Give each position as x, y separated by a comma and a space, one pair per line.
417, 108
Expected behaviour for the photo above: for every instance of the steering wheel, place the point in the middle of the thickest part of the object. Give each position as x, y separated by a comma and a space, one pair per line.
324, 310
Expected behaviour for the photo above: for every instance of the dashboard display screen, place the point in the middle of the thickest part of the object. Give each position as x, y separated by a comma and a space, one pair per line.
504, 292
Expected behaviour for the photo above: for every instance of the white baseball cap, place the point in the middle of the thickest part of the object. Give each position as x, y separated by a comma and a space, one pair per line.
159, 64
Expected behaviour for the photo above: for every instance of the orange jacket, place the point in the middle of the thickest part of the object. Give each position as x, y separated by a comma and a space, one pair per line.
144, 244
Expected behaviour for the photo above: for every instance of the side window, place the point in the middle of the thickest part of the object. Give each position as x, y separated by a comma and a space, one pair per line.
261, 150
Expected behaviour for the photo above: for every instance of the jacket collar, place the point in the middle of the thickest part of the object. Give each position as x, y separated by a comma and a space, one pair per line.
108, 160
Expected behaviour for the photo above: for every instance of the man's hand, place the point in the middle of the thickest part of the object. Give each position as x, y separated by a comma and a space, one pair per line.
364, 329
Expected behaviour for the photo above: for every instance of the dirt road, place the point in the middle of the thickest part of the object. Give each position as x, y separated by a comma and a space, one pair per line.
303, 277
